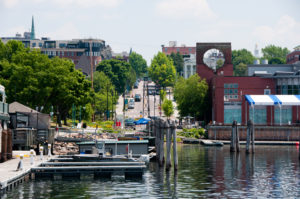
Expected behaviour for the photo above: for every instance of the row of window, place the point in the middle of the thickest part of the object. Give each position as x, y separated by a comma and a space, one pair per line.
288, 89
63, 53
230, 91
258, 115
235, 85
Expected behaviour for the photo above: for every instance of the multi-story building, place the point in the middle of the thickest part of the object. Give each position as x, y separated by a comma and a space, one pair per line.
294, 56
84, 53
173, 48
189, 65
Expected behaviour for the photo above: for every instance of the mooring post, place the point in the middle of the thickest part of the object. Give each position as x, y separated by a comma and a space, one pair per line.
169, 139
233, 138
252, 137
248, 136
161, 146
157, 137
173, 130
237, 138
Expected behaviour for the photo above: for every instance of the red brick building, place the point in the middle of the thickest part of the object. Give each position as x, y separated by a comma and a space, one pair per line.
227, 91
294, 56
173, 48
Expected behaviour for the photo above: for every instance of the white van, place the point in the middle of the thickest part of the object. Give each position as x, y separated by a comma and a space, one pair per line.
131, 103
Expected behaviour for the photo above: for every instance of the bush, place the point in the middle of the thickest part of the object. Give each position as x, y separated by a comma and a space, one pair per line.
193, 133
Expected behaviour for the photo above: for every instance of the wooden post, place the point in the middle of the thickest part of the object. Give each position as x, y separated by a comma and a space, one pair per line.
169, 139
173, 131
252, 137
237, 144
157, 138
248, 135
233, 138
161, 144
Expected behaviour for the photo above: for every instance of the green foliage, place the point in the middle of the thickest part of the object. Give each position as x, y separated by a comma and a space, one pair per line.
168, 108
241, 56
277, 60
119, 73
138, 63
191, 96
193, 133
272, 51
178, 61
220, 63
33, 79
162, 94
241, 70
162, 70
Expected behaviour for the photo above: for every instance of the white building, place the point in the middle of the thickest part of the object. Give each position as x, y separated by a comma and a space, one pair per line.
189, 66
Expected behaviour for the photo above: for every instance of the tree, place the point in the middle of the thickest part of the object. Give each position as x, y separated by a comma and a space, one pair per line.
241, 56
272, 51
138, 63
241, 70
178, 61
220, 63
276, 60
168, 108
119, 73
162, 70
191, 96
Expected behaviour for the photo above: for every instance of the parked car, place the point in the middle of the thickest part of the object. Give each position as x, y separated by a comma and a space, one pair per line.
131, 103
136, 85
137, 97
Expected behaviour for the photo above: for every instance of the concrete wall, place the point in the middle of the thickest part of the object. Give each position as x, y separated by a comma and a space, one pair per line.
279, 133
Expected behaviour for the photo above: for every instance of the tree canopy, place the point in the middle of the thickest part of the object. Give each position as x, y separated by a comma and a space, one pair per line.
241, 56
119, 72
271, 51
178, 61
138, 63
191, 96
168, 108
33, 79
162, 70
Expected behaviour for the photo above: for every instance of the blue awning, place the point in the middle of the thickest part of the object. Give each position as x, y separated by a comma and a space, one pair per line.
142, 121
271, 100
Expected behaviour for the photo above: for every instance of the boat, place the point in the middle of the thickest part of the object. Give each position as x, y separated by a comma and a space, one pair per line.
211, 143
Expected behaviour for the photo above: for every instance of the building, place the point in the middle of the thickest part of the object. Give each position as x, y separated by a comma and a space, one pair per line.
227, 92
189, 65
173, 48
84, 53
294, 56
123, 56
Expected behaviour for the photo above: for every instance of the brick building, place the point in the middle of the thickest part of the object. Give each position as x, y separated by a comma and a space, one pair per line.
227, 92
173, 48
294, 56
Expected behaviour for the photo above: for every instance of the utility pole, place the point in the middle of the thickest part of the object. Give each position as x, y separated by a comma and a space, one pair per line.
91, 61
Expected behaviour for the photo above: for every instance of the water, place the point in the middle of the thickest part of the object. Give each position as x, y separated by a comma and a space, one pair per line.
203, 172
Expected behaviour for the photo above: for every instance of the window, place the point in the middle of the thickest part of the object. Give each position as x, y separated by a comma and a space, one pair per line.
225, 91
72, 54
58, 53
226, 86
259, 113
286, 115
235, 91
33, 45
231, 113
267, 92
235, 85
40, 45
178, 50
62, 53
166, 49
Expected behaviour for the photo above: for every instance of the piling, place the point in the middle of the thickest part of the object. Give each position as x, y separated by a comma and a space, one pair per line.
237, 143
157, 138
253, 137
169, 140
175, 158
250, 137
161, 144
233, 137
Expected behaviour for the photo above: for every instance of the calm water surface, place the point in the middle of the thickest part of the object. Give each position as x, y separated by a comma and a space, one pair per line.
203, 172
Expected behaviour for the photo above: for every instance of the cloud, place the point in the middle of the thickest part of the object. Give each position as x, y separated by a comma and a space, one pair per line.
66, 3
10, 3
183, 9
66, 31
285, 31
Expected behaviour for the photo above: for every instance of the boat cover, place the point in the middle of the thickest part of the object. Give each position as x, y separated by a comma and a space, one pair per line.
271, 100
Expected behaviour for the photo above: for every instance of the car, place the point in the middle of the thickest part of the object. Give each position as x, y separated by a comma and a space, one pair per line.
129, 122
137, 97
136, 85
131, 103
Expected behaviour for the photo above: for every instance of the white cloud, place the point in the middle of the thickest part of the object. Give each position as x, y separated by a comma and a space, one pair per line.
181, 9
285, 32
66, 31
10, 3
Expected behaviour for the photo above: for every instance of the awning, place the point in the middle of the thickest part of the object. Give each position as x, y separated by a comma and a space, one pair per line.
142, 121
271, 100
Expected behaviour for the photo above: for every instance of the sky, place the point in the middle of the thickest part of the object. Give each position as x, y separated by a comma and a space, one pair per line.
145, 25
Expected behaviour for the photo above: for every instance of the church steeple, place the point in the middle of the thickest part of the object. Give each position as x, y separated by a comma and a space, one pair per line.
32, 34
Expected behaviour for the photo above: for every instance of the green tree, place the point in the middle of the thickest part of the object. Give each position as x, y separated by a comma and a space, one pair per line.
162, 70
119, 73
271, 51
241, 56
241, 70
277, 60
168, 108
191, 96
220, 63
138, 63
178, 61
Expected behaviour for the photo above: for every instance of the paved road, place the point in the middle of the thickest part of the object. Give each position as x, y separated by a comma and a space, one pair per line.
138, 108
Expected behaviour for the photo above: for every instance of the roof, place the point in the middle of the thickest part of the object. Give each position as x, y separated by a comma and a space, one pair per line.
18, 107
271, 100
116, 141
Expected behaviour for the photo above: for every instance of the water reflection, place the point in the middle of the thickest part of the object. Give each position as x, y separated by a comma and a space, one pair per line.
202, 172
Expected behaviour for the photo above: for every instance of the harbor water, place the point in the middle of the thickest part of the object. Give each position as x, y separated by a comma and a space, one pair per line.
203, 172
